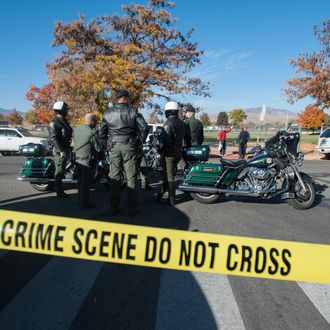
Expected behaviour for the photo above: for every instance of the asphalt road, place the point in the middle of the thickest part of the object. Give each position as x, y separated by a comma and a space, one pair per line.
44, 292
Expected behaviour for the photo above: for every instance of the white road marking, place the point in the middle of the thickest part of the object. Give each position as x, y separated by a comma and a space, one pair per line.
319, 294
53, 298
196, 301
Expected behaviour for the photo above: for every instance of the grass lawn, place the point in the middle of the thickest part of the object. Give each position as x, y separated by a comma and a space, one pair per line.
231, 137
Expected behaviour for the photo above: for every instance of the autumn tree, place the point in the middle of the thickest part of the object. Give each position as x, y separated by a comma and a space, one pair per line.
14, 118
313, 72
31, 117
222, 118
205, 119
153, 118
312, 118
140, 50
237, 116
327, 120
42, 101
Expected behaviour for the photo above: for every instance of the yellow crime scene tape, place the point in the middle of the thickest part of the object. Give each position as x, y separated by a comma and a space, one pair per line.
164, 248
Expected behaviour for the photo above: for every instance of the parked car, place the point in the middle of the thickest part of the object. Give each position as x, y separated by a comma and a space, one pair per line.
12, 138
323, 144
152, 128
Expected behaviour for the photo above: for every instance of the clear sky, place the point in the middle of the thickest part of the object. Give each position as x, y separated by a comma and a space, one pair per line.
247, 45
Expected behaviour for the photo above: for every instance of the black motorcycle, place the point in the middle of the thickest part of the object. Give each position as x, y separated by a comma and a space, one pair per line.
273, 171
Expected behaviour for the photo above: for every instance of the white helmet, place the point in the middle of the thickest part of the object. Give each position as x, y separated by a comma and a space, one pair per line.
172, 106
61, 107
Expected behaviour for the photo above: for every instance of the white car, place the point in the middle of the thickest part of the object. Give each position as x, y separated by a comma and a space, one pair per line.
12, 138
152, 128
323, 144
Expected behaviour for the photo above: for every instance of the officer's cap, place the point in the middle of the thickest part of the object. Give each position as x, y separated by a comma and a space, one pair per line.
121, 93
190, 108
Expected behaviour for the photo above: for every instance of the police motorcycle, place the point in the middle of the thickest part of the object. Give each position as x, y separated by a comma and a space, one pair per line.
151, 150
39, 169
272, 172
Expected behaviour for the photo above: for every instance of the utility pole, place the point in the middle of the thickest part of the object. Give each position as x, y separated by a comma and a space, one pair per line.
262, 119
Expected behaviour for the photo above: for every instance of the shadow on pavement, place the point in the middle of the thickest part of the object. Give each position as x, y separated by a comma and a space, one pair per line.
121, 297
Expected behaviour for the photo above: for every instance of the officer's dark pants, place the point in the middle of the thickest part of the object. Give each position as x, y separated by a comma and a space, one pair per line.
169, 164
84, 177
241, 150
60, 166
123, 158
143, 170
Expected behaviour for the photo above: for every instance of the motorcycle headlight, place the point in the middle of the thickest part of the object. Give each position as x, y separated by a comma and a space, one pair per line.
44, 142
300, 158
290, 172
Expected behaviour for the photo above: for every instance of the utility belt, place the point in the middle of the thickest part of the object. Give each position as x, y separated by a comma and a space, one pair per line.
133, 141
84, 158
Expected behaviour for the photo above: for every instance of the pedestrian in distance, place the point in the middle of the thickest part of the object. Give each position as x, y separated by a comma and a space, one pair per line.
177, 133
242, 141
223, 140
195, 126
86, 145
60, 134
124, 129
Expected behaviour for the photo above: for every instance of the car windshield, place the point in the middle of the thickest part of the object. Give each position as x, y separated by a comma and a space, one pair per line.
325, 134
24, 132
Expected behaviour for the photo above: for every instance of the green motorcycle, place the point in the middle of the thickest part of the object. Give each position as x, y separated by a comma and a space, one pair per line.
272, 172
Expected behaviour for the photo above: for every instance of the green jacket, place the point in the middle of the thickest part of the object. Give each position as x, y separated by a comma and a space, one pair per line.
86, 144
196, 130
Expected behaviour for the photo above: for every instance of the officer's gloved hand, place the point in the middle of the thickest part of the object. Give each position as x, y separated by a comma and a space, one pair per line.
62, 154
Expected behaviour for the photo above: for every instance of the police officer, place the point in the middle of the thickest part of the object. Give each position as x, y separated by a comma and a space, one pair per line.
195, 126
242, 141
125, 130
86, 146
177, 133
60, 134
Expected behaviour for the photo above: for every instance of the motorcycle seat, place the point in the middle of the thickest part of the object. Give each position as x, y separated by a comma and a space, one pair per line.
233, 162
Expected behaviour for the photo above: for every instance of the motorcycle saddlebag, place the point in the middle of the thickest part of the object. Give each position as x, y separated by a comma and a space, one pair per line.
33, 150
38, 168
204, 174
196, 153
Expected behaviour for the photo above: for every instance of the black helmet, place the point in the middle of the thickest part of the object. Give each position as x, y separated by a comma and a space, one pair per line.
61, 108
171, 109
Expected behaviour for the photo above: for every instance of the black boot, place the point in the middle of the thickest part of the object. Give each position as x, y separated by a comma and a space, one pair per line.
61, 194
164, 193
171, 191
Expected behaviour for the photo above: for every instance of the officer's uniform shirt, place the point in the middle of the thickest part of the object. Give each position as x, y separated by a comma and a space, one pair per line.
196, 130
86, 144
60, 134
177, 133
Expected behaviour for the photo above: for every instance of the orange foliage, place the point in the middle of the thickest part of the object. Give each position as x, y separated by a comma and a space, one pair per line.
140, 50
312, 118
42, 101
14, 118
313, 72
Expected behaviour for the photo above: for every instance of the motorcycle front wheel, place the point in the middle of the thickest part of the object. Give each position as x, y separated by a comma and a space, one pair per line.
42, 186
303, 200
204, 198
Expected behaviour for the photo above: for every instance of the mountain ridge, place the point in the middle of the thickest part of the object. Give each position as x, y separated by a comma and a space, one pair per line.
6, 112
272, 115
